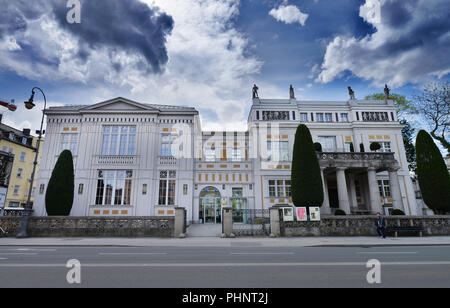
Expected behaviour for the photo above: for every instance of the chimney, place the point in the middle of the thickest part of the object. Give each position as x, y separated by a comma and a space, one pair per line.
26, 131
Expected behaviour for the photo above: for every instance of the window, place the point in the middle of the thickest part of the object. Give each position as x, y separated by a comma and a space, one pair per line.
22, 156
348, 146
80, 189
278, 150
114, 187
344, 117
144, 189
5, 149
167, 180
119, 140
303, 117
19, 172
69, 142
236, 155
385, 147
328, 117
375, 116
167, 150
16, 190
319, 117
328, 143
11, 136
41, 189
24, 140
280, 188
14, 204
257, 115
275, 115
185, 189
384, 188
210, 154
293, 115
237, 192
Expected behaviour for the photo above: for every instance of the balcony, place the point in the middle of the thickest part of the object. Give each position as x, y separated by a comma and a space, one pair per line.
122, 160
167, 161
379, 161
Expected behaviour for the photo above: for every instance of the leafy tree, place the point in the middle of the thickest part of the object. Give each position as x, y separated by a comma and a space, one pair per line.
318, 146
432, 174
433, 105
60, 190
306, 178
401, 103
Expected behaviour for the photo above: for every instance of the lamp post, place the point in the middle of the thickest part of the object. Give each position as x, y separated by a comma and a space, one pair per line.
23, 233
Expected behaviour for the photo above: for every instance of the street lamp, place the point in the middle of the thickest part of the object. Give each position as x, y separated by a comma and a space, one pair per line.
23, 233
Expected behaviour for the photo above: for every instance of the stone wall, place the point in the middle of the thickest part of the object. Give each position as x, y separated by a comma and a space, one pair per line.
363, 225
94, 226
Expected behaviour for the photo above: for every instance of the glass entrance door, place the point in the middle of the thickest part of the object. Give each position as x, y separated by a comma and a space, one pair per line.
210, 210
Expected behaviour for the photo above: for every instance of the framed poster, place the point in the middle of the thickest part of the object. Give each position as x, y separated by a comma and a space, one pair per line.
288, 214
301, 214
314, 213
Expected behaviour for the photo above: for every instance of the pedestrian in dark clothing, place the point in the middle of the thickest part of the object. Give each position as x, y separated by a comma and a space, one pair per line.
381, 226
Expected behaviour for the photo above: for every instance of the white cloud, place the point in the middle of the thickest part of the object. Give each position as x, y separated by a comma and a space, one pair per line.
289, 14
208, 67
411, 42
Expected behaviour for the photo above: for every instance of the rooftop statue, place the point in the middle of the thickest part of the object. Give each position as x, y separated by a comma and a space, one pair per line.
255, 91
351, 93
292, 93
387, 91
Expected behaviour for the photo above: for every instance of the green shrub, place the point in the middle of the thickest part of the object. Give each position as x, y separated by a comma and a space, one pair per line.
306, 177
397, 212
352, 148
60, 190
361, 148
318, 147
340, 213
375, 146
432, 174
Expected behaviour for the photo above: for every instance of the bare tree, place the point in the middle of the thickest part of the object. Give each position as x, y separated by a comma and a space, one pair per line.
434, 106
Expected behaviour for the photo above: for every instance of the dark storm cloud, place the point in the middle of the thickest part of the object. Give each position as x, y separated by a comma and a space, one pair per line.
119, 25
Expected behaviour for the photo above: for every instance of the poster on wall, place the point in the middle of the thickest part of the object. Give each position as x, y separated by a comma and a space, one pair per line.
314, 213
301, 214
288, 214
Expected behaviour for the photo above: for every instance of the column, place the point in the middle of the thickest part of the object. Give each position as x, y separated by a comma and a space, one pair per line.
342, 190
395, 189
351, 186
326, 202
375, 205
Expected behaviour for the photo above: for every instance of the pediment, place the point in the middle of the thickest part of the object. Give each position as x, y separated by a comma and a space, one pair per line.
119, 104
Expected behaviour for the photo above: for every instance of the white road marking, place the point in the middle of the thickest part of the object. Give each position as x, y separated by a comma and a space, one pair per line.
157, 265
18, 253
27, 249
132, 253
387, 252
261, 253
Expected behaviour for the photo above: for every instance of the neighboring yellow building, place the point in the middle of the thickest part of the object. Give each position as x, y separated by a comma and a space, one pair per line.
23, 146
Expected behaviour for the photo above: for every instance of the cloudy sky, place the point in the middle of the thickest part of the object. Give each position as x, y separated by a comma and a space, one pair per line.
209, 53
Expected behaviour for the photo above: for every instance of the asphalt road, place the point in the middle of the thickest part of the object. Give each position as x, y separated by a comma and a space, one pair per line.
224, 267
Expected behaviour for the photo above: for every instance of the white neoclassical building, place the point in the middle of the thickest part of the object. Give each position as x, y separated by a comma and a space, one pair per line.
134, 159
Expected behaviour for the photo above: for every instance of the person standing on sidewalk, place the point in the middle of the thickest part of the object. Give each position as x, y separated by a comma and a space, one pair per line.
381, 226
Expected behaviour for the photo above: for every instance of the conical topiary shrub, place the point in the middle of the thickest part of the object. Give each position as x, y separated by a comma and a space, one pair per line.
60, 190
306, 178
432, 173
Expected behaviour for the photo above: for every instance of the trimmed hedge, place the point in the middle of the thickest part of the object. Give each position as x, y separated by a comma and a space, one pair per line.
318, 147
60, 190
306, 177
432, 174
397, 212
340, 213
375, 146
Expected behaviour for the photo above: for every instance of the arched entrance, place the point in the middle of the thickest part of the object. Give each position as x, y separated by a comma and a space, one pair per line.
210, 211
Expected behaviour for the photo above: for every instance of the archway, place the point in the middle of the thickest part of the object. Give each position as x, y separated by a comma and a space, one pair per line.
210, 211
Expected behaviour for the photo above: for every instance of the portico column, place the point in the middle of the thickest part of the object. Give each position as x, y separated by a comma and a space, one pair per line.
395, 189
375, 205
342, 190
326, 202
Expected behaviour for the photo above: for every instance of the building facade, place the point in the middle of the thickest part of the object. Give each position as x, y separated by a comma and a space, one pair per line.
135, 159
22, 145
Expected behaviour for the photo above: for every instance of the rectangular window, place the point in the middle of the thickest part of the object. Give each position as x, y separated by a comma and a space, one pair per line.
210, 154
385, 147
278, 151
237, 192
167, 150
357, 116
24, 140
119, 140
280, 188
328, 117
257, 115
19, 172
114, 187
319, 117
312, 117
375, 117
293, 115
328, 143
344, 117
22, 156
185, 189
144, 189
237, 157
16, 190
69, 142
167, 181
303, 117
41, 189
5, 149
384, 188
80, 189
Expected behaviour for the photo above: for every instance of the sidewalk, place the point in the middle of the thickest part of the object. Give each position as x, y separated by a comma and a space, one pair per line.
237, 242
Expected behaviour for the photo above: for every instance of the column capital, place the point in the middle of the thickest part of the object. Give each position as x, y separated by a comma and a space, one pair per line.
372, 169
394, 169
341, 168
